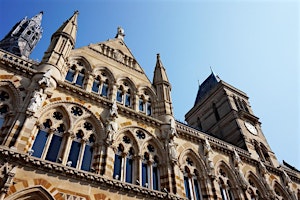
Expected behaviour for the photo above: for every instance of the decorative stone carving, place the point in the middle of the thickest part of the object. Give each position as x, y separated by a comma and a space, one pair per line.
36, 101
45, 80
111, 124
7, 173
208, 158
173, 132
172, 151
238, 169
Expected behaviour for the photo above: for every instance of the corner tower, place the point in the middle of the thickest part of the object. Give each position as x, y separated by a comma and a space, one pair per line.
23, 37
62, 42
224, 111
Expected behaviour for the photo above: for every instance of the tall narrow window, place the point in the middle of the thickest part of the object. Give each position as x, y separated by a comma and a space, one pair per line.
141, 105
118, 163
145, 177
80, 78
3, 112
129, 166
96, 85
88, 154
155, 175
75, 149
41, 139
104, 90
149, 108
120, 95
128, 98
71, 74
54, 147
190, 179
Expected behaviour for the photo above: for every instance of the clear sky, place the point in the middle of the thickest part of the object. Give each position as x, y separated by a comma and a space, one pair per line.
252, 45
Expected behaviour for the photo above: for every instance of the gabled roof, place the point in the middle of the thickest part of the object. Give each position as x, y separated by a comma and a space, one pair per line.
205, 87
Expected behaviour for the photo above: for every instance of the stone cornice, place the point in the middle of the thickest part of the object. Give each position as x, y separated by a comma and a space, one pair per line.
21, 160
17, 64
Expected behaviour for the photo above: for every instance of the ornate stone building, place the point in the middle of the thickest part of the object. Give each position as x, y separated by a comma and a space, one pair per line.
87, 124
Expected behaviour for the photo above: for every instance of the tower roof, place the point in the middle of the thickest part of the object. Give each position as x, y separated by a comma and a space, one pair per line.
206, 86
69, 27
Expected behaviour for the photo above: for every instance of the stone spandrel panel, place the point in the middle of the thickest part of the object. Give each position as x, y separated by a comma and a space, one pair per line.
73, 197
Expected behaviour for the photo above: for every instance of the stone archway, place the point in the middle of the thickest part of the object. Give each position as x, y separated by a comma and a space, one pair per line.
33, 193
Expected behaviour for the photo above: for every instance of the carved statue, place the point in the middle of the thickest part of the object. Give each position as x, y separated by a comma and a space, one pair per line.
46, 78
114, 109
172, 151
173, 132
238, 168
208, 157
111, 129
35, 101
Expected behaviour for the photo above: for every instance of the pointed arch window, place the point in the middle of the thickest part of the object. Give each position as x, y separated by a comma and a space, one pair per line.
56, 139
41, 139
225, 186
75, 148
71, 74
80, 78
100, 87
88, 154
150, 170
119, 96
145, 105
191, 183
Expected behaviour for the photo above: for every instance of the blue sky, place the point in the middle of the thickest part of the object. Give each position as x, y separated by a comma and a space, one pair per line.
252, 45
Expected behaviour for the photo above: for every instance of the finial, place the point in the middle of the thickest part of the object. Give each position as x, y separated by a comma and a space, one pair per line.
42, 12
211, 69
76, 12
158, 56
120, 33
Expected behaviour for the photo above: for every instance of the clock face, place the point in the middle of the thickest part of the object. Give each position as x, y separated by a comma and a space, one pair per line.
251, 128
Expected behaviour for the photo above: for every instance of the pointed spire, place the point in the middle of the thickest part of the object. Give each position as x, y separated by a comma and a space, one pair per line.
38, 18
160, 74
69, 28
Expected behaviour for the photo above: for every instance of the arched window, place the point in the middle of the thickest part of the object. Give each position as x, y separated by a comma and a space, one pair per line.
56, 139
191, 182
225, 185
3, 112
124, 95
149, 169
88, 154
124, 163
71, 74
41, 138
100, 87
80, 78
145, 104
75, 149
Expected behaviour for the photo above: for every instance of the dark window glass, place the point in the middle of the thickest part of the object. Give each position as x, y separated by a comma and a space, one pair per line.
187, 187
129, 170
54, 148
117, 167
1, 122
144, 174
197, 191
4, 96
119, 96
149, 112
39, 143
155, 178
74, 153
141, 105
87, 158
104, 91
70, 75
80, 79
127, 100
96, 85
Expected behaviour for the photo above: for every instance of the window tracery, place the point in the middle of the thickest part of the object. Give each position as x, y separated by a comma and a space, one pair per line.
191, 179
101, 85
124, 95
144, 104
225, 184
76, 74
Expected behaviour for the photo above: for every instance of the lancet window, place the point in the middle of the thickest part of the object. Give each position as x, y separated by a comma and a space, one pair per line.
124, 161
191, 180
225, 185
101, 85
145, 104
124, 95
149, 168
76, 74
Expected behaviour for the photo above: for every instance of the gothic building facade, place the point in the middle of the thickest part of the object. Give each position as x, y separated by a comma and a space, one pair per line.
87, 124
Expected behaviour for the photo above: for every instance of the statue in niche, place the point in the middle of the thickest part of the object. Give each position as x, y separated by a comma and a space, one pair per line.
36, 101
173, 132
111, 124
238, 168
172, 151
208, 157
45, 80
